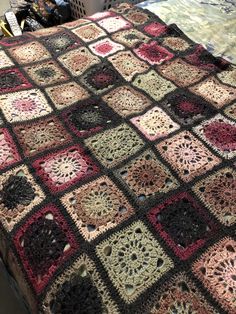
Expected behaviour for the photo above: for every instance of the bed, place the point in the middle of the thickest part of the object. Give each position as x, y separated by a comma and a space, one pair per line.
117, 172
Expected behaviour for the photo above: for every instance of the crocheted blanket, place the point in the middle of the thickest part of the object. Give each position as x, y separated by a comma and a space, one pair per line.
117, 173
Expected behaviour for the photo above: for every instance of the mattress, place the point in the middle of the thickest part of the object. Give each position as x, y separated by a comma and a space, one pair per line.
117, 172
210, 22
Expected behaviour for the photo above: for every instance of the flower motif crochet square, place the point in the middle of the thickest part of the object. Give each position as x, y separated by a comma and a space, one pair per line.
29, 52
19, 194
97, 207
182, 73
153, 53
12, 80
137, 17
89, 32
217, 192
36, 137
83, 279
183, 223
105, 47
114, 24
127, 64
155, 124
64, 95
115, 145
5, 61
78, 61
146, 177
8, 151
220, 134
187, 155
216, 270
155, 29
89, 117
176, 44
125, 256
230, 111
48, 230
154, 85
126, 101
46, 73
130, 37
101, 15
64, 168
180, 295
61, 42
215, 92
24, 105
101, 78
45, 32
187, 108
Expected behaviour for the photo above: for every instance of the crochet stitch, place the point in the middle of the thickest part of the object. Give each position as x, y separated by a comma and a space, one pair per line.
117, 168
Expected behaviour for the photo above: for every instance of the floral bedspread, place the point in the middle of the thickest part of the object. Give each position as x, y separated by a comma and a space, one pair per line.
210, 22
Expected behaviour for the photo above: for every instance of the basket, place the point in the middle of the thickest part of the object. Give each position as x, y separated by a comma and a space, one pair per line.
80, 8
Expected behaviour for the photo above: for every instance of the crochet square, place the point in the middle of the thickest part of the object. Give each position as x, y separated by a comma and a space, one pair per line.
29, 52
217, 192
127, 64
201, 58
64, 95
216, 270
125, 256
101, 78
61, 42
115, 145
24, 105
146, 177
89, 117
83, 279
64, 168
130, 37
228, 76
137, 17
183, 223
105, 47
114, 24
153, 53
155, 124
180, 295
48, 230
177, 44
5, 61
187, 108
220, 134
89, 32
230, 111
46, 73
97, 207
155, 29
182, 73
38, 136
187, 155
215, 92
16, 40
8, 151
19, 195
126, 101
154, 85
78, 61
12, 80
